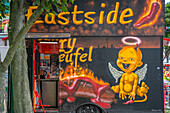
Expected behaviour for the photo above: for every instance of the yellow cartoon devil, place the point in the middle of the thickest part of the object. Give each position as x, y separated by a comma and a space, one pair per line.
129, 59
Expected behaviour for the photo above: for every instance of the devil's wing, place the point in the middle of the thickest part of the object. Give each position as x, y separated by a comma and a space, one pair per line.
116, 74
141, 73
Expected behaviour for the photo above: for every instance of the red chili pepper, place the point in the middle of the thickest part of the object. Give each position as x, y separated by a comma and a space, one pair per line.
129, 102
150, 17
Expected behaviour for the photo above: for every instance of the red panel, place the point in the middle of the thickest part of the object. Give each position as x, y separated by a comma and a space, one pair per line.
33, 101
45, 48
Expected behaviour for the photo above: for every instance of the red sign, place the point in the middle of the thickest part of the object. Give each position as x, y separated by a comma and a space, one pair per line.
48, 48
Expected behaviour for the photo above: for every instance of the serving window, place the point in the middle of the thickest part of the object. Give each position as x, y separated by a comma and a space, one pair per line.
43, 59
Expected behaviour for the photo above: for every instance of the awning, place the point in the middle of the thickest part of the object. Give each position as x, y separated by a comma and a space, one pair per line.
3, 36
166, 41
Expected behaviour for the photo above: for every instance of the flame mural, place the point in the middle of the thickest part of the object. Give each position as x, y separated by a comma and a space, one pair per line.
150, 16
80, 82
72, 73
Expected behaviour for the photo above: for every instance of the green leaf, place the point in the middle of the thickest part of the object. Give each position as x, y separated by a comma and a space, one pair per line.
65, 1
7, 8
72, 1
167, 18
56, 5
50, 7
47, 9
34, 3
59, 2
64, 8
58, 9
54, 12
50, 1
37, 2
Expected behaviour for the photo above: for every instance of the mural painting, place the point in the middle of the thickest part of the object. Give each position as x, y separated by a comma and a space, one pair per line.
119, 76
112, 58
129, 59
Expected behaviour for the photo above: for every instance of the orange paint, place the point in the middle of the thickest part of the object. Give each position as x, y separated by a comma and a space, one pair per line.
72, 73
147, 13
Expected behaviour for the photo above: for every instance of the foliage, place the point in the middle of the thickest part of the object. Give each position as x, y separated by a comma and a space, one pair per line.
167, 48
167, 24
167, 52
54, 6
3, 8
17, 37
167, 14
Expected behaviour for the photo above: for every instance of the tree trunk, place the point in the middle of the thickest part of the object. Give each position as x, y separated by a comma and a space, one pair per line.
20, 83
19, 74
2, 92
16, 34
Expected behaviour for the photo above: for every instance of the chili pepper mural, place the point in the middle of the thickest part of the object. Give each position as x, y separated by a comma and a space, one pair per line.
150, 17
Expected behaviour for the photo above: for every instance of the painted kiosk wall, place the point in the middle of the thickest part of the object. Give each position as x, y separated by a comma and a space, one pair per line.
113, 58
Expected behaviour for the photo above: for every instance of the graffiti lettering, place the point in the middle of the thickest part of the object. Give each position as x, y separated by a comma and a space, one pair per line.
69, 56
112, 16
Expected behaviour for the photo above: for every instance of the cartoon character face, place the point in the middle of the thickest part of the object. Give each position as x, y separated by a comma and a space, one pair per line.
129, 59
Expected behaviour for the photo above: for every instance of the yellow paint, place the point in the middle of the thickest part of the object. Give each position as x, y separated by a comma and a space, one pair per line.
75, 12
86, 15
83, 57
70, 46
61, 57
60, 16
69, 56
90, 53
30, 12
142, 100
71, 73
114, 20
52, 16
61, 43
101, 14
128, 60
125, 15
111, 16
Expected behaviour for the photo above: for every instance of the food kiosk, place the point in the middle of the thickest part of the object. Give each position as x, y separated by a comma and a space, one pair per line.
99, 56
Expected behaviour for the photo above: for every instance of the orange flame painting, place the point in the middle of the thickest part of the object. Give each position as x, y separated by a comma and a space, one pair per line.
71, 73
150, 16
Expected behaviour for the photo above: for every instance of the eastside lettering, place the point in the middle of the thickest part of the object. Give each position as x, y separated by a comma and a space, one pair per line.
69, 56
112, 16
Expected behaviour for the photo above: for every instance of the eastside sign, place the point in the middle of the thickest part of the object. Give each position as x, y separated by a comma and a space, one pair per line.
111, 17
101, 18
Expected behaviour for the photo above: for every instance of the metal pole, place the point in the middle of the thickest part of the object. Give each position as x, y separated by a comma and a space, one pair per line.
34, 97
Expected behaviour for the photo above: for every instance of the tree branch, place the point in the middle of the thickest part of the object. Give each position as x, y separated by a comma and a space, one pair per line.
20, 36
